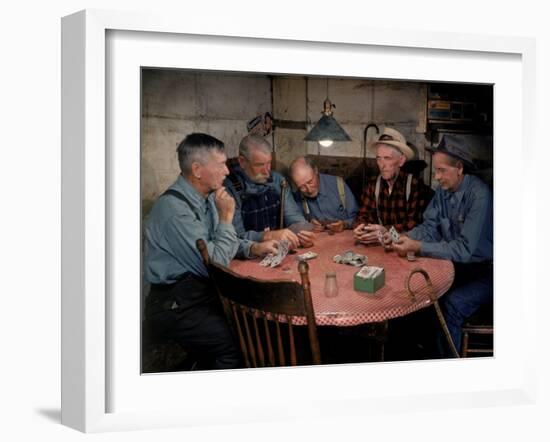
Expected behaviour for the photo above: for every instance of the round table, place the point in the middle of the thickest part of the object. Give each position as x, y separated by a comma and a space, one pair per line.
352, 307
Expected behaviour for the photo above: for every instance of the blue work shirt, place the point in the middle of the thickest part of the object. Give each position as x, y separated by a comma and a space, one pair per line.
458, 225
171, 232
327, 205
292, 213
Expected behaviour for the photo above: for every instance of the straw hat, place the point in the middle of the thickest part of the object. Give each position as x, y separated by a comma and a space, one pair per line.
392, 137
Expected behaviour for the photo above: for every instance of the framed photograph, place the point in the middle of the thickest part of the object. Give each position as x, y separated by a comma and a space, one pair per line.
103, 384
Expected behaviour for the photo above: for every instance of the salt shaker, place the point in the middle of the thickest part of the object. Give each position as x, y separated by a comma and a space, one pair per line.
331, 286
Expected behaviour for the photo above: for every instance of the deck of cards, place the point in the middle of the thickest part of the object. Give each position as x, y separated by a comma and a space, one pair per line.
369, 272
369, 279
273, 260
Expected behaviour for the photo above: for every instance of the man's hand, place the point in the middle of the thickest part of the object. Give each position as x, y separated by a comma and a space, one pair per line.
283, 234
225, 205
368, 234
337, 226
386, 239
406, 244
263, 248
306, 238
317, 226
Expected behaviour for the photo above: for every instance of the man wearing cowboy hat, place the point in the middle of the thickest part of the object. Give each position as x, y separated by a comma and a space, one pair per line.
393, 198
458, 225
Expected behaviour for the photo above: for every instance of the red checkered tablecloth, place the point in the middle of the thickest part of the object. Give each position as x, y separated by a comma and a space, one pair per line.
351, 307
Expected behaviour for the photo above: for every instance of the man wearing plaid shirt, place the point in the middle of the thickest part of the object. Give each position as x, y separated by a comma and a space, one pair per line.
393, 198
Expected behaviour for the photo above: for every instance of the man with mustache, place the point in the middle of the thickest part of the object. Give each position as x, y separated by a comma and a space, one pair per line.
257, 192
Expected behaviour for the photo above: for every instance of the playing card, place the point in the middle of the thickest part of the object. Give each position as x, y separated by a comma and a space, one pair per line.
273, 260
393, 234
266, 262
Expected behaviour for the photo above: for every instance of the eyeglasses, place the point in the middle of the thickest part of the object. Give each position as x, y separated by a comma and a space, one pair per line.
304, 187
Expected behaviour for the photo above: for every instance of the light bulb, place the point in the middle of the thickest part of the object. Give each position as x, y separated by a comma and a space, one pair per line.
326, 143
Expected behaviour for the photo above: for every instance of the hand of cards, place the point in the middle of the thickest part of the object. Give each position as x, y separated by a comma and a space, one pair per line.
393, 234
273, 260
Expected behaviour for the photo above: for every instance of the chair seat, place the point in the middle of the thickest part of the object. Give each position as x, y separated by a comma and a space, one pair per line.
479, 326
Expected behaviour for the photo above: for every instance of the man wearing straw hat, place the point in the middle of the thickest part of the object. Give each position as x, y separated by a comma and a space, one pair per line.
393, 198
458, 225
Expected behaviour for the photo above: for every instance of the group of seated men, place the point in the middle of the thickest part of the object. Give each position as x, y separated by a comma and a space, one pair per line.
237, 213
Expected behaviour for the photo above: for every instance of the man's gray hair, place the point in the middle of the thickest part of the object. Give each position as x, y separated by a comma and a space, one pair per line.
309, 161
196, 147
253, 141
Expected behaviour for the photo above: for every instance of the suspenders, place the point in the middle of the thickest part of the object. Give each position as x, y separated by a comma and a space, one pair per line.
341, 194
181, 197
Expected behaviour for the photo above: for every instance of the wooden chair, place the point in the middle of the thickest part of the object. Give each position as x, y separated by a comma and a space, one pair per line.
480, 324
261, 312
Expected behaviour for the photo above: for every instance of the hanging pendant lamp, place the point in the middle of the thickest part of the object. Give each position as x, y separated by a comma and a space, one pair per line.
327, 130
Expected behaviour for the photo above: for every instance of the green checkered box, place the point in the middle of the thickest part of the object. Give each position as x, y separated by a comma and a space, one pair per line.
368, 284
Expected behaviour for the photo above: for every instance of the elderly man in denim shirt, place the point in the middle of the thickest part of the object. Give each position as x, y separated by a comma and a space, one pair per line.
258, 192
325, 202
458, 225
182, 304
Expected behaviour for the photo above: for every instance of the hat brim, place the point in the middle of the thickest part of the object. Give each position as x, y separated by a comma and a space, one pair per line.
403, 148
467, 162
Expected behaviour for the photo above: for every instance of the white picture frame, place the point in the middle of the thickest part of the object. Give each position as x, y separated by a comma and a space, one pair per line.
95, 196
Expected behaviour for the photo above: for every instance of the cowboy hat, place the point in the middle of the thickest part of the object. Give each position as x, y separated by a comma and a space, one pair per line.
394, 138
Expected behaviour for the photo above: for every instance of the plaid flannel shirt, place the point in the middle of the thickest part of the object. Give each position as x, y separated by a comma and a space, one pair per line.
393, 208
